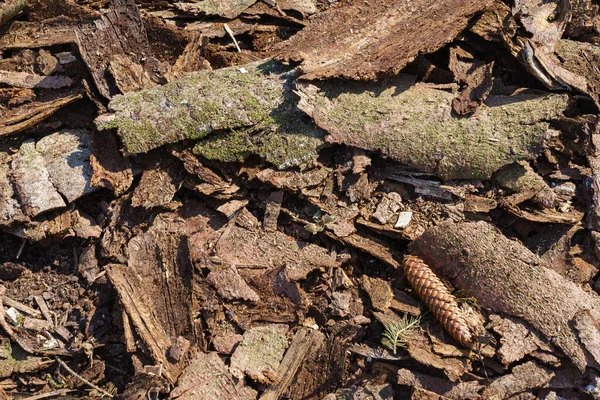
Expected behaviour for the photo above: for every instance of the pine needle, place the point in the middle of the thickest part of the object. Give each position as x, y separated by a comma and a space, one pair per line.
397, 333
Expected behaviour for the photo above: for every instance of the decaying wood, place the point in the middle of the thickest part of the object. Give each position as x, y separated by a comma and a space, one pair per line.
27, 116
305, 341
414, 124
366, 41
121, 35
10, 9
506, 277
109, 168
148, 326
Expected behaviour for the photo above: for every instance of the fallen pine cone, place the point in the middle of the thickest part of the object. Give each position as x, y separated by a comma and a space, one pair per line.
438, 299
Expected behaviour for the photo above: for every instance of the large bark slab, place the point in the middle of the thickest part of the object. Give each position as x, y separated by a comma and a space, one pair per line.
415, 125
506, 277
368, 40
255, 100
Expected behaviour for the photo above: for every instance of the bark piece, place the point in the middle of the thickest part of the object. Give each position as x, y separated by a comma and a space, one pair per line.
526, 184
387, 207
245, 245
28, 115
121, 35
506, 277
10, 207
32, 181
230, 285
160, 181
475, 78
272, 211
414, 124
260, 352
379, 292
367, 41
109, 168
67, 158
10, 9
524, 377
420, 349
518, 339
15, 97
323, 368
65, 224
256, 97
149, 327
293, 180
88, 264
33, 81
449, 390
302, 345
495, 22
229, 9
156, 285
207, 378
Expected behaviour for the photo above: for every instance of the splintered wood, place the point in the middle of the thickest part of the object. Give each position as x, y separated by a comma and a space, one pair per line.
370, 40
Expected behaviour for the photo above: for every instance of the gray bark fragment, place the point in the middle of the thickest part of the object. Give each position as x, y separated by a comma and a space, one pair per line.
414, 124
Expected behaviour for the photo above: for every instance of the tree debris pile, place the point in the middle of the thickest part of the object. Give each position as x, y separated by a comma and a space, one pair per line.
299, 199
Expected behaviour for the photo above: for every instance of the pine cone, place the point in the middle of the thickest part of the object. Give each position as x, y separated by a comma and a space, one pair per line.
438, 299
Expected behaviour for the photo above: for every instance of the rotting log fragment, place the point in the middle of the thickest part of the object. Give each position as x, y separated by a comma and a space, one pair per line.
506, 277
369, 40
415, 125
255, 100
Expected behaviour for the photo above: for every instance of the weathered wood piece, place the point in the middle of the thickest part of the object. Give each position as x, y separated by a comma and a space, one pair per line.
155, 286
259, 353
121, 35
10, 9
109, 168
137, 303
415, 125
367, 41
256, 100
28, 115
229, 9
506, 277
305, 341
208, 378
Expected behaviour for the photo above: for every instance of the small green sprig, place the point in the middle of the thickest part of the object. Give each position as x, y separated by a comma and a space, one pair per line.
397, 333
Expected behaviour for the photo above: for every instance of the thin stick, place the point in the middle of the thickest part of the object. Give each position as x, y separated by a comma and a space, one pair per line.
230, 33
82, 379
58, 392
21, 248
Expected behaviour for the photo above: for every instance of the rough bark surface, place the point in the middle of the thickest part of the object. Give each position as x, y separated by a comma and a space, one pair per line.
370, 40
506, 277
415, 125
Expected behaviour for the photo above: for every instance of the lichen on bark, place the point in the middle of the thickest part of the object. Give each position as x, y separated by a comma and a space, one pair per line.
250, 109
415, 125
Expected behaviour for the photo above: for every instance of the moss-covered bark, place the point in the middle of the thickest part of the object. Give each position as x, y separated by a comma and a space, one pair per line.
254, 102
415, 125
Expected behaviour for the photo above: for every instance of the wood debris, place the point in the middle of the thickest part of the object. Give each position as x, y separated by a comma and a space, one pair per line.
213, 199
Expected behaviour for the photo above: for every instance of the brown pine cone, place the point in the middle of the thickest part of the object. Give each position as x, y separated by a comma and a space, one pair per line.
438, 299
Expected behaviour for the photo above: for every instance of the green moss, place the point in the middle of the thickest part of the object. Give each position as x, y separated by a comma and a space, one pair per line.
198, 105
